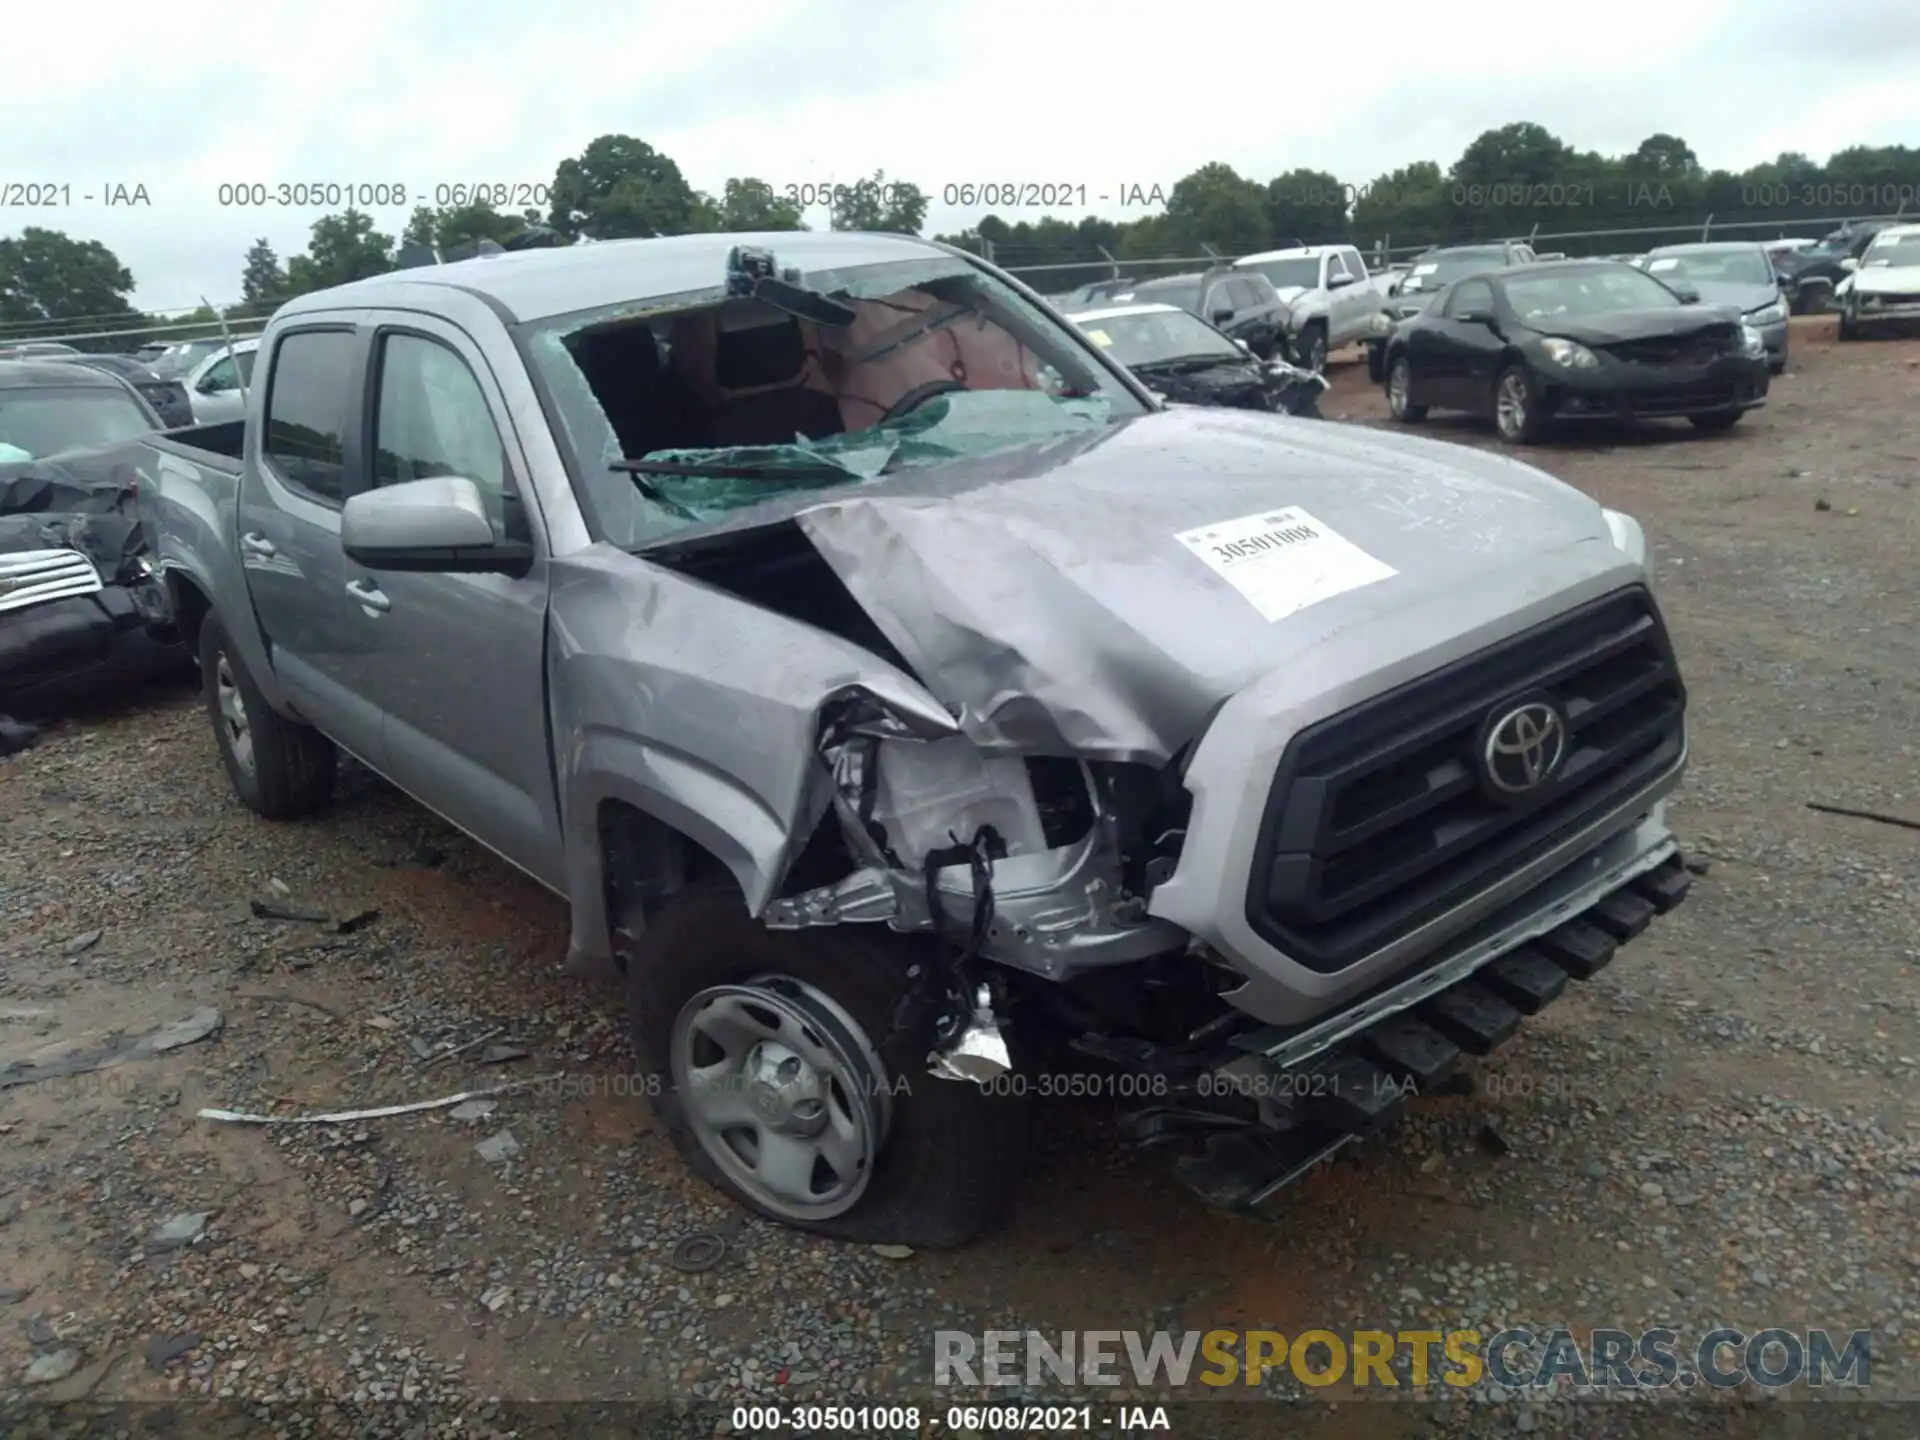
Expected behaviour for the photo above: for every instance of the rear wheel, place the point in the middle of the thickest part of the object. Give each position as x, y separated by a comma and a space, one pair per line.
773, 1063
1716, 422
1400, 392
279, 768
1516, 409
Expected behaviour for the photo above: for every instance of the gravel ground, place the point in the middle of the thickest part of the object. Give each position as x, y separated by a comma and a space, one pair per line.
1718, 1130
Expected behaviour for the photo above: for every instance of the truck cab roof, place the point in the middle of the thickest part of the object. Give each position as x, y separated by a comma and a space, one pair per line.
539, 284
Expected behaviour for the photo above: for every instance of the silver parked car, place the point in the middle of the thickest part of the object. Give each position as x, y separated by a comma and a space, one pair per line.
922, 718
216, 385
1734, 273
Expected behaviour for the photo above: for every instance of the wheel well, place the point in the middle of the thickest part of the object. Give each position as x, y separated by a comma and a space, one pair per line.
190, 607
644, 860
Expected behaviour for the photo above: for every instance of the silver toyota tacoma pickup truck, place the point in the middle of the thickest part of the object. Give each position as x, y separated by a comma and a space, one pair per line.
924, 720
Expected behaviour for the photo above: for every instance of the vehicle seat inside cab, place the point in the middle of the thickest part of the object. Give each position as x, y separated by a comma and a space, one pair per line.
761, 372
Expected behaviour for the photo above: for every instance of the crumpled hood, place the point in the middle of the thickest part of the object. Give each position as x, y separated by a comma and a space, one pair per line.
1618, 325
1886, 279
1048, 598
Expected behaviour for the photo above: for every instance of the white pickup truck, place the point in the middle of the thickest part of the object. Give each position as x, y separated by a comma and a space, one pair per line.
1331, 297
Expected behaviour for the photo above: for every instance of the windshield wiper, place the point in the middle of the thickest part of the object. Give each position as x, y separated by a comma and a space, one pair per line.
1189, 362
680, 469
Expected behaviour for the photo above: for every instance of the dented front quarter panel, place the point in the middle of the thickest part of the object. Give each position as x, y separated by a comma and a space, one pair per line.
696, 708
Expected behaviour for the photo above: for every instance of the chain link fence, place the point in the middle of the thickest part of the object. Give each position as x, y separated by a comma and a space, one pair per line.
1057, 277
114, 333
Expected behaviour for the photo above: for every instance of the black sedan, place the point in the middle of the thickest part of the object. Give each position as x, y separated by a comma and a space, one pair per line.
1574, 340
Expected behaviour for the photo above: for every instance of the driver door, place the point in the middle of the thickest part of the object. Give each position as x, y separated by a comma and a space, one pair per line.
1466, 352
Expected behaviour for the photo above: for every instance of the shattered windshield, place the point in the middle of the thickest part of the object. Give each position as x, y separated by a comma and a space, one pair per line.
1599, 291
1158, 337
37, 423
1183, 293
1302, 272
675, 410
1898, 250
1729, 265
1431, 272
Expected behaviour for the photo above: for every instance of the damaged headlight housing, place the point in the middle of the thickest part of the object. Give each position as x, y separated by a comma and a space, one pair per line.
1768, 314
1382, 322
1627, 535
1751, 342
1570, 353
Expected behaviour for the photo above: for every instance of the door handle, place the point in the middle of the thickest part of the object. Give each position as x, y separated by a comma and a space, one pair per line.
256, 544
369, 595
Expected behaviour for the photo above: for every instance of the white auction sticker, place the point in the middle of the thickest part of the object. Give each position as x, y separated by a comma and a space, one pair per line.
1283, 560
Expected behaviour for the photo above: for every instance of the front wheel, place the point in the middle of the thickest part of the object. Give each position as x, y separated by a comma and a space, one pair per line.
1310, 349
773, 1063
1516, 409
1849, 324
1400, 392
1719, 420
280, 768
1376, 362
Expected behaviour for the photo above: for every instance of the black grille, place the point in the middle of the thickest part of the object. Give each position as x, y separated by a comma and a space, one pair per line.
1681, 399
1377, 821
1697, 349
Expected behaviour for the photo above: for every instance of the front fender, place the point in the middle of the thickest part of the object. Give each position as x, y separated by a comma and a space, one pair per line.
698, 709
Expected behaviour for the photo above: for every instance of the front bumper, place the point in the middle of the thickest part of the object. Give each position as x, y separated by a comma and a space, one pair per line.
1889, 310
67, 649
1320, 1091
1626, 390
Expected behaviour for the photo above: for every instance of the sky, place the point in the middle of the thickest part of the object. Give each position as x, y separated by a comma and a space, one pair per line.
424, 93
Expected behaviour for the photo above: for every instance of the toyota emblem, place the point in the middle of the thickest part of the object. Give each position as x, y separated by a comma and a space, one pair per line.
1523, 750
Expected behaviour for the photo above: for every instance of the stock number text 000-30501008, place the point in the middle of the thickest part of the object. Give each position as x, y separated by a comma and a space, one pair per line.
333, 194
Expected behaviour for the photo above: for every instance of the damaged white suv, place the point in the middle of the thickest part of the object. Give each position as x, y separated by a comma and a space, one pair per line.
926, 720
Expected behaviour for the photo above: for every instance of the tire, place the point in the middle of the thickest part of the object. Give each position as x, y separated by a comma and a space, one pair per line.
951, 1153
1849, 326
1312, 348
1376, 362
1516, 409
280, 768
1718, 421
1400, 392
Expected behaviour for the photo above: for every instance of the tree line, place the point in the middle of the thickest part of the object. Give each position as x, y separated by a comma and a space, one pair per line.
1510, 182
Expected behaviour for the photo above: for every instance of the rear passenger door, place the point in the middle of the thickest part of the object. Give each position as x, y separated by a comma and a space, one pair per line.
289, 523
456, 663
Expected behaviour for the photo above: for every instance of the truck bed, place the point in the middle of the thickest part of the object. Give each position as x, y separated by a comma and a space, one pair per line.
217, 447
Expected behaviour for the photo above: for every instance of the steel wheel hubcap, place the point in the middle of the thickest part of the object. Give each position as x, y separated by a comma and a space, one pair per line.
1397, 387
1512, 406
784, 1092
233, 714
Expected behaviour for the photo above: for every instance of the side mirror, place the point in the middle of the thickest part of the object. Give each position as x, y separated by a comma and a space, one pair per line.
1221, 317
1339, 282
438, 525
1849, 263
1245, 348
1688, 295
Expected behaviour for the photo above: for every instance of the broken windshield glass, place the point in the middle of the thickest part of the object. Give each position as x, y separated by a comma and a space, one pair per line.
698, 381
700, 485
